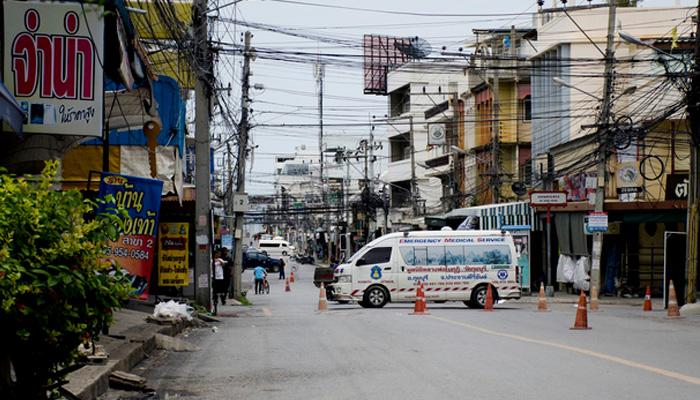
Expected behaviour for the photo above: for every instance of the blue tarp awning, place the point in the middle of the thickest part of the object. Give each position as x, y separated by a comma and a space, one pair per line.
11, 114
130, 113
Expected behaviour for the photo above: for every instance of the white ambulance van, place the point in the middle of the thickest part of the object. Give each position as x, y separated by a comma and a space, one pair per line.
452, 265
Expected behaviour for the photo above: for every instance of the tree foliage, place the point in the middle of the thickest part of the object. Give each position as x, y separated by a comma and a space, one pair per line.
56, 291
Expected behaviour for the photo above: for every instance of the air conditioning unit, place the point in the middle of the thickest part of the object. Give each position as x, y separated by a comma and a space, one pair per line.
437, 134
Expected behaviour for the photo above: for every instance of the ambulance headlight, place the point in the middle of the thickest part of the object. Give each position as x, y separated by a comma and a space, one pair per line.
345, 279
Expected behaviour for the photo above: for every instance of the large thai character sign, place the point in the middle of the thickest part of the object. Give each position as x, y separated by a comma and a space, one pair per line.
52, 65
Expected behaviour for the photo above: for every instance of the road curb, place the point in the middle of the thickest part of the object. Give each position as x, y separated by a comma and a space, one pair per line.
92, 381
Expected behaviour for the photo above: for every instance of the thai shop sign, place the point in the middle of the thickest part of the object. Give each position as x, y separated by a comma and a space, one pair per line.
134, 249
173, 254
52, 53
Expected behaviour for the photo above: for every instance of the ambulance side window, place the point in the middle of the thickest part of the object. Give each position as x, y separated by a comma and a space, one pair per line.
436, 255
408, 255
378, 255
454, 255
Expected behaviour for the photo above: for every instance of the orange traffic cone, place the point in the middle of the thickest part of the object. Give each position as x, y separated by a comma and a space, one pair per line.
594, 298
420, 308
542, 300
291, 277
647, 300
673, 311
488, 306
286, 285
322, 302
581, 314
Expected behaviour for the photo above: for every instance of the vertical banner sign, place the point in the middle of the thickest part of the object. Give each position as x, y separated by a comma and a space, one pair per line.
134, 250
52, 54
173, 254
522, 244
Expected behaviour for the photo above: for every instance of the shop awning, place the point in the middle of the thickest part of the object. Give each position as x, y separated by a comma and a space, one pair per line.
493, 216
11, 113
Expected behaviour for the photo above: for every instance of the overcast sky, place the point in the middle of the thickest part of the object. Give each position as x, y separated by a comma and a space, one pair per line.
290, 88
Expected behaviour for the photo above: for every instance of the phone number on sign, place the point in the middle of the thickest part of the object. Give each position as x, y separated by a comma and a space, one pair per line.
125, 252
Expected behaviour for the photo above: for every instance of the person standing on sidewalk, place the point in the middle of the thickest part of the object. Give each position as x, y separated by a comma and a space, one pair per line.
228, 271
282, 267
220, 283
260, 274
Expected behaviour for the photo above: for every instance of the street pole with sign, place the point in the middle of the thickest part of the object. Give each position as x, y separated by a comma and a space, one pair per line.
548, 200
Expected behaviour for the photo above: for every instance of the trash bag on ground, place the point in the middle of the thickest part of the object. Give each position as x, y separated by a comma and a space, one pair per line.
174, 310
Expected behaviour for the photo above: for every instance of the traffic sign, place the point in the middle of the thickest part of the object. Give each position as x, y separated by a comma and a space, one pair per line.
548, 199
596, 221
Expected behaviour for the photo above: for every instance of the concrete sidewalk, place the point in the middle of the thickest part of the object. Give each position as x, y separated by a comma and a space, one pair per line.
130, 339
566, 298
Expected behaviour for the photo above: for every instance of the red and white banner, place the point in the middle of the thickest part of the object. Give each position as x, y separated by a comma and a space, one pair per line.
52, 56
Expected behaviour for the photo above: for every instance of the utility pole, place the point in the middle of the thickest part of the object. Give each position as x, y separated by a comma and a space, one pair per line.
242, 151
693, 224
320, 71
603, 131
412, 147
202, 149
495, 140
371, 155
457, 159
348, 214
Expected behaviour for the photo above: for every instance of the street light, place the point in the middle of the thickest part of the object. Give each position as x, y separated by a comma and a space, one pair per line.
562, 82
639, 42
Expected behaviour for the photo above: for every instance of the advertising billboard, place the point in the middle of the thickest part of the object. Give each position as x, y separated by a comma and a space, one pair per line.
52, 56
382, 54
134, 249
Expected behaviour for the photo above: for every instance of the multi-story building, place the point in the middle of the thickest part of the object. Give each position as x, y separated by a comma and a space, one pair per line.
423, 131
644, 142
502, 110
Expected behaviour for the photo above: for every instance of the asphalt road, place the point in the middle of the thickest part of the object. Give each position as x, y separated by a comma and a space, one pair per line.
281, 348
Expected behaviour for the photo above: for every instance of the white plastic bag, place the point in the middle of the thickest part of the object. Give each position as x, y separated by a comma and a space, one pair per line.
174, 310
565, 269
581, 277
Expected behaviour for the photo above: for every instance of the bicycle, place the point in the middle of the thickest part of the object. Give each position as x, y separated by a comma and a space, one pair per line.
266, 286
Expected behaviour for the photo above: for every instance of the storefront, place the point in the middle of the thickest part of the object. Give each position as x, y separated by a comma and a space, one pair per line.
644, 246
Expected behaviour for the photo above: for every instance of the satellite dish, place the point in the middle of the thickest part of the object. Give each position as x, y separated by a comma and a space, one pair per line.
518, 188
416, 47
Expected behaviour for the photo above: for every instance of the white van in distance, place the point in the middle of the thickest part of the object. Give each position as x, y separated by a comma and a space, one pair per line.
276, 248
452, 265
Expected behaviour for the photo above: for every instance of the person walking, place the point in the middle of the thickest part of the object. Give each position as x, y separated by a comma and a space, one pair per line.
228, 271
260, 274
282, 267
220, 284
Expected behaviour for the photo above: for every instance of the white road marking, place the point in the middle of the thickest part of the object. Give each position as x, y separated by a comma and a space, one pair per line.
618, 360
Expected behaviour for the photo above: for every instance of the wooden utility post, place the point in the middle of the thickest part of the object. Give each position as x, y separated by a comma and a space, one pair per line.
693, 224
603, 129
242, 152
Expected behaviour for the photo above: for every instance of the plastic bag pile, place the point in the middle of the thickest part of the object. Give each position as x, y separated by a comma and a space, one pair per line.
173, 310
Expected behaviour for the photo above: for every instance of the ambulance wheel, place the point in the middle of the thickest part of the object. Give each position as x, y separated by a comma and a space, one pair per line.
478, 298
375, 297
